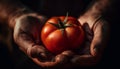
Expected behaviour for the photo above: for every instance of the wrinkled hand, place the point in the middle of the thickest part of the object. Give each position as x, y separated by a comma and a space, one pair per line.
96, 37
27, 36
97, 34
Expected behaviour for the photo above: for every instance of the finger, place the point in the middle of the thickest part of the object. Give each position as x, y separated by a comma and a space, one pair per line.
88, 32
101, 35
87, 29
45, 64
37, 52
58, 61
68, 53
85, 49
64, 57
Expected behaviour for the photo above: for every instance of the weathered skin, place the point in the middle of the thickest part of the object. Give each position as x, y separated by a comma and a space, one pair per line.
25, 22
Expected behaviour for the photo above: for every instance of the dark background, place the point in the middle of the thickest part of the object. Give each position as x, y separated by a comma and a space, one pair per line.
12, 58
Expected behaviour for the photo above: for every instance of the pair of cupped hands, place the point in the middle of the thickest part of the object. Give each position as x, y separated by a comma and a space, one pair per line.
27, 29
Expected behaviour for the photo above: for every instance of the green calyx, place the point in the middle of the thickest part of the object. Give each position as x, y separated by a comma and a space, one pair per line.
62, 24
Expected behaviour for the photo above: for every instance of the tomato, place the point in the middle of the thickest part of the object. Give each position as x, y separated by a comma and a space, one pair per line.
62, 33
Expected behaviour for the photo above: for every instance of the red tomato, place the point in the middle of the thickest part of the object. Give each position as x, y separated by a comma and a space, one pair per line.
62, 33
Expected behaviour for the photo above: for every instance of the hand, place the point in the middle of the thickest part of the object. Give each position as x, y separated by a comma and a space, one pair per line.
26, 33
27, 29
97, 35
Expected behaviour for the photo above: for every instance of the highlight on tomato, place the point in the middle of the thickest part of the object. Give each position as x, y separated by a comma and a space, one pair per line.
62, 33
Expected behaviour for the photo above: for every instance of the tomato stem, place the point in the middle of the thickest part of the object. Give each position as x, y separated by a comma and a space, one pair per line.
62, 24
66, 19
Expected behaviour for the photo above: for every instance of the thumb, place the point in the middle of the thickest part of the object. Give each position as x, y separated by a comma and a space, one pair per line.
37, 52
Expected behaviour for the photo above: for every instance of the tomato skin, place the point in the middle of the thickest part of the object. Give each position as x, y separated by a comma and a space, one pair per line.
57, 41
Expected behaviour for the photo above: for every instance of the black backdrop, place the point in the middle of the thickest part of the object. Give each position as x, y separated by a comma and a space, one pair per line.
110, 57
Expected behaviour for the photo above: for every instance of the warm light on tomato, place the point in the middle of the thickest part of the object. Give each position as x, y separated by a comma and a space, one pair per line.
62, 33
